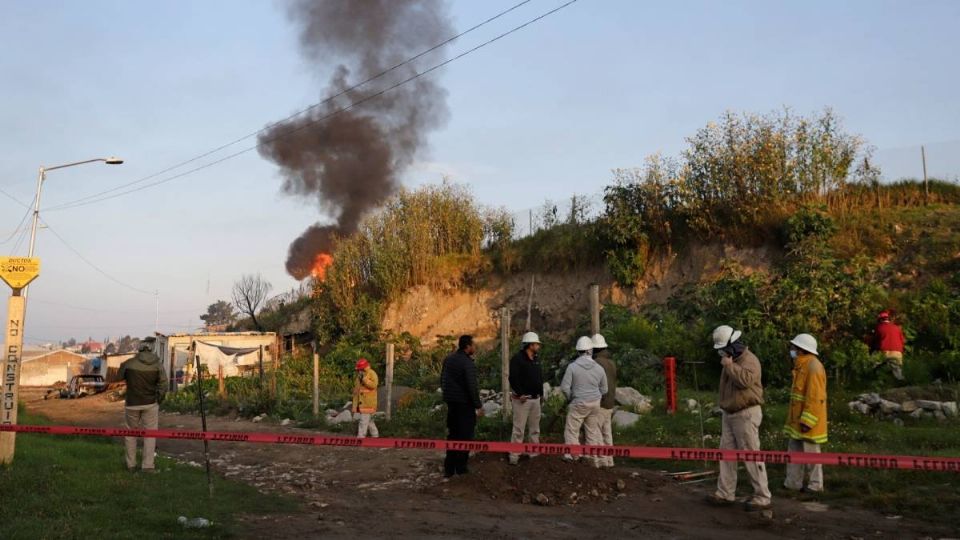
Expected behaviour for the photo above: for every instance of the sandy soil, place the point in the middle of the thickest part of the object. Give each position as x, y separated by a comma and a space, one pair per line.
376, 493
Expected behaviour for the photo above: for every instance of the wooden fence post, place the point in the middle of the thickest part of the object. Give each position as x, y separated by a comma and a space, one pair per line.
595, 309
390, 359
316, 381
506, 409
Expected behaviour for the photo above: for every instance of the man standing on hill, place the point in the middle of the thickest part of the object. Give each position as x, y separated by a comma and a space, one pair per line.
807, 417
146, 387
584, 384
888, 340
609, 400
458, 381
365, 398
741, 395
526, 390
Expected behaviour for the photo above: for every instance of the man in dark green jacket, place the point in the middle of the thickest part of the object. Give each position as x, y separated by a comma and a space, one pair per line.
146, 387
609, 400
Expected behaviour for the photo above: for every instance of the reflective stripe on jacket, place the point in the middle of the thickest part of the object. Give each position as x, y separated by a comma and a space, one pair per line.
808, 401
365, 392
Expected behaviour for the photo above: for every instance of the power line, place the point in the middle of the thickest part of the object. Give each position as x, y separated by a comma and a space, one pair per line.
14, 199
19, 225
301, 111
91, 265
93, 199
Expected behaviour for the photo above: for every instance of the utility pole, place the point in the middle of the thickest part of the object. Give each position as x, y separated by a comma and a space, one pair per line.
595, 309
506, 410
156, 324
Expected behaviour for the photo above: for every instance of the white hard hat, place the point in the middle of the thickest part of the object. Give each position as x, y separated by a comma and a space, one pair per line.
599, 342
584, 344
530, 337
805, 342
725, 335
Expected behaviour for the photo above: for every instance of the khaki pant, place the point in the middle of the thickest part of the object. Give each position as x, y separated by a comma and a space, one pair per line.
795, 472
741, 431
526, 418
606, 434
367, 426
585, 414
141, 417
895, 362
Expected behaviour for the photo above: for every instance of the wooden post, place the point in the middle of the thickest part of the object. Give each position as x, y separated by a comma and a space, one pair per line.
221, 387
203, 418
11, 360
173, 369
273, 379
506, 410
926, 186
261, 367
595, 309
316, 382
390, 359
530, 303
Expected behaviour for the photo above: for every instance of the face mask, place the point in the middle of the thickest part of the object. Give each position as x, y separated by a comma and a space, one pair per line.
793, 354
722, 353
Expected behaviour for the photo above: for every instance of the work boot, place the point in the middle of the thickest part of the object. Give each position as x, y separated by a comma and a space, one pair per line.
716, 500
753, 505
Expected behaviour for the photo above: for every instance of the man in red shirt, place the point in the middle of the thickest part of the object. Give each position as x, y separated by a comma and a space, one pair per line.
888, 339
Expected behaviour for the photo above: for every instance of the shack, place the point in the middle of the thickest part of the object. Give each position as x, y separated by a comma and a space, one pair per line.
46, 368
234, 353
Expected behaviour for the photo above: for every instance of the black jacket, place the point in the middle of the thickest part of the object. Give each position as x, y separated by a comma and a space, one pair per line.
146, 380
609, 400
526, 377
458, 379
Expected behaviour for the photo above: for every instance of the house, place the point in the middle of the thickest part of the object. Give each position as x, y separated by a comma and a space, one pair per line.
111, 365
46, 368
297, 332
216, 350
91, 347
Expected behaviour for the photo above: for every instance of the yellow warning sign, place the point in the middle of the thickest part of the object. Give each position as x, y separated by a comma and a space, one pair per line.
18, 272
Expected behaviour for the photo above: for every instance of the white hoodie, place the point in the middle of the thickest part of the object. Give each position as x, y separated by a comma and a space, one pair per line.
584, 380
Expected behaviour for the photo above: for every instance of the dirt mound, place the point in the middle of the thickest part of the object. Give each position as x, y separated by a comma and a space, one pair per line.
546, 481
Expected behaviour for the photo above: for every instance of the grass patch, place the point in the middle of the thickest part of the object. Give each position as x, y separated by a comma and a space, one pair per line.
74, 487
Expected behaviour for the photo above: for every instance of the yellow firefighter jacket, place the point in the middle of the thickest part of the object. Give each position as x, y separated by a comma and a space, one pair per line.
808, 401
365, 392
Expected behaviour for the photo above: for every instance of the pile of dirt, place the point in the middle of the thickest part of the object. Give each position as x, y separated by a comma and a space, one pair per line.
545, 481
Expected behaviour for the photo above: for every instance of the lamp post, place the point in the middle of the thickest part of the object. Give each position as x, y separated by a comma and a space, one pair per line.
18, 275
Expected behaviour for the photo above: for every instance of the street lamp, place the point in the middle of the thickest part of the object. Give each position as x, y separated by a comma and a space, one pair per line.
112, 160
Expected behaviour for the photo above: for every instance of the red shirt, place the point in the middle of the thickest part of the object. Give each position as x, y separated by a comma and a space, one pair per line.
888, 337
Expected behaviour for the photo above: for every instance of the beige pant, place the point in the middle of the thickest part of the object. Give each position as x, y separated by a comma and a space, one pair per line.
587, 415
895, 362
367, 426
741, 431
526, 418
606, 434
141, 417
795, 472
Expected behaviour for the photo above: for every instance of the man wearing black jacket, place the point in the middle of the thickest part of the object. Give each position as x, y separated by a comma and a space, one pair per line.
526, 389
458, 380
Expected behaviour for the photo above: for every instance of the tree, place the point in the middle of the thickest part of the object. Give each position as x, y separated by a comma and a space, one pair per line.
111, 349
128, 344
248, 295
220, 313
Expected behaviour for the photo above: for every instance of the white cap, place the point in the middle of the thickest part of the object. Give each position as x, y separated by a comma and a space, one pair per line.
530, 337
584, 344
805, 342
599, 342
725, 335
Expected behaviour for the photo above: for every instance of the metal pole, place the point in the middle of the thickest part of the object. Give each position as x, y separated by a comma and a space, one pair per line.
595, 309
203, 419
36, 211
926, 185
390, 360
156, 324
505, 362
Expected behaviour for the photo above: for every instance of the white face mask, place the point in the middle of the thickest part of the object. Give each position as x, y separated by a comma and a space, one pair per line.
722, 353
793, 354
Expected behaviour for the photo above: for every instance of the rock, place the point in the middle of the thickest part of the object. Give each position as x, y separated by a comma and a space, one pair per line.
546, 389
437, 408
949, 408
909, 406
347, 406
898, 422
491, 408
644, 407
486, 394
439, 390
693, 404
928, 405
918, 413
872, 399
341, 418
766, 514
625, 419
257, 419
628, 397
890, 407
332, 412
716, 412
859, 406
286, 422
380, 415
621, 485
939, 415
542, 499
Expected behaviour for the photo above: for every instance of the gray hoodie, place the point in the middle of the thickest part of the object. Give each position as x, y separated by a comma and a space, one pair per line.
584, 380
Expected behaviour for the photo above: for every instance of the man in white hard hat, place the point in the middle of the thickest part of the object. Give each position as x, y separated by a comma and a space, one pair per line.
807, 417
741, 395
526, 391
602, 356
584, 384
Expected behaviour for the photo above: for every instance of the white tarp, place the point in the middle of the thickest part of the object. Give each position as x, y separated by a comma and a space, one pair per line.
230, 358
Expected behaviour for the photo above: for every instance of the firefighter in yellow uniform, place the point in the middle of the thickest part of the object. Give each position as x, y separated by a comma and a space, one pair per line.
365, 399
807, 417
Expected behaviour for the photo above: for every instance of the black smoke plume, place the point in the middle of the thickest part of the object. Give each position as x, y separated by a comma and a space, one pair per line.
351, 162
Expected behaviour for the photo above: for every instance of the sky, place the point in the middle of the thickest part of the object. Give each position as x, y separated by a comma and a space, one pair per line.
542, 114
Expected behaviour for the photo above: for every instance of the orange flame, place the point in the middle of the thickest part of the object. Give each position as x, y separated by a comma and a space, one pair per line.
321, 262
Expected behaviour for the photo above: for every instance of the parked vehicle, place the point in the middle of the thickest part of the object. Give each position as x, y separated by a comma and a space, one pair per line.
83, 385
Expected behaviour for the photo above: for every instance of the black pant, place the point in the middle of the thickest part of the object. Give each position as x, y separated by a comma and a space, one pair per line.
461, 421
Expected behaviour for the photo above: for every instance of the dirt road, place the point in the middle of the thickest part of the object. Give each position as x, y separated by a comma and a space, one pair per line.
375, 493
